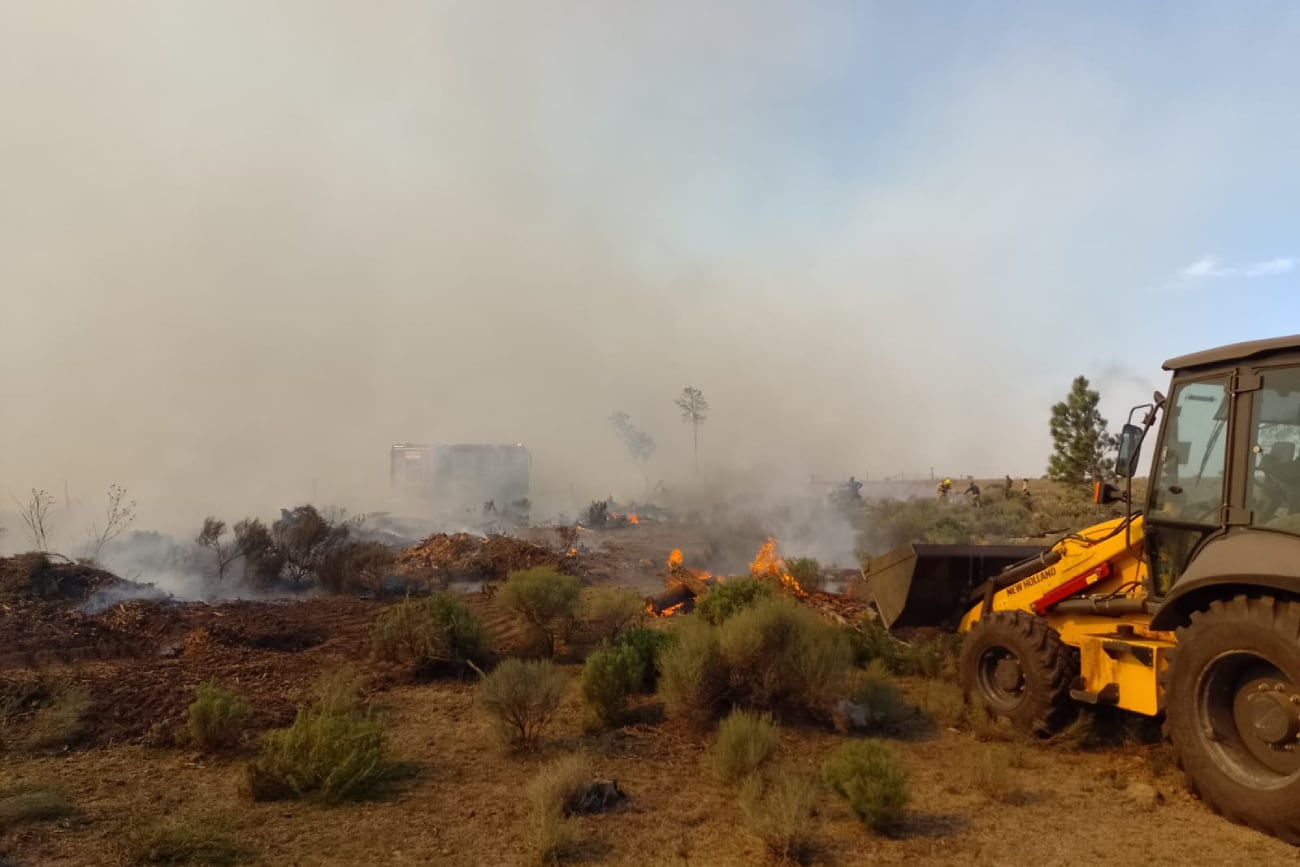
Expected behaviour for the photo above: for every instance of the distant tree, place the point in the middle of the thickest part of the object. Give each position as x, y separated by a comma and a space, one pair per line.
1081, 444
262, 560
210, 537
694, 411
640, 445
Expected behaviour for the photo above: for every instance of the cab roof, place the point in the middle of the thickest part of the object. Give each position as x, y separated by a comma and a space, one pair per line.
1233, 352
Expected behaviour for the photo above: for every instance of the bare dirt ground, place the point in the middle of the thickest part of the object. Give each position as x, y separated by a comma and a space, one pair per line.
141, 661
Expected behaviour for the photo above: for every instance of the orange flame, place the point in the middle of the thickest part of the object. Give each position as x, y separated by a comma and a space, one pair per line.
633, 519
767, 564
675, 557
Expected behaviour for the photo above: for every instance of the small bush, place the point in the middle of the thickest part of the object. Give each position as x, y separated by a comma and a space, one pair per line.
944, 702
781, 655
217, 718
335, 750
430, 635
523, 697
352, 567
692, 674
780, 814
866, 774
550, 830
807, 571
544, 599
878, 704
992, 773
609, 676
922, 657
648, 645
31, 802
730, 598
61, 721
181, 842
610, 610
746, 742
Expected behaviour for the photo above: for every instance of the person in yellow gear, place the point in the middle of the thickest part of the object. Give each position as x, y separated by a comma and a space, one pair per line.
942, 490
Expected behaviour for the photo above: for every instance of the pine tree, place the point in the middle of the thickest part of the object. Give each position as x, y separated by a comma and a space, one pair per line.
1081, 444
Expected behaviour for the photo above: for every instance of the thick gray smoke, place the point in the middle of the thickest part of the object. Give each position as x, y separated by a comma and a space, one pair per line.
246, 246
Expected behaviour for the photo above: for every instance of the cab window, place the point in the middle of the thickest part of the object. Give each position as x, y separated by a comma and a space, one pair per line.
1189, 481
1273, 492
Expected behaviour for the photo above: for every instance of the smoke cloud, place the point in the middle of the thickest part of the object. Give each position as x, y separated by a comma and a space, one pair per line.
248, 246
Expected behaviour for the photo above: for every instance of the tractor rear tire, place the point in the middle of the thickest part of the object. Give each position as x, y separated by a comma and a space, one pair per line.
1016, 664
1232, 711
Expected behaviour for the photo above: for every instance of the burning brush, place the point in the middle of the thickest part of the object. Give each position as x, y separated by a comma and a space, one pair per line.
686, 584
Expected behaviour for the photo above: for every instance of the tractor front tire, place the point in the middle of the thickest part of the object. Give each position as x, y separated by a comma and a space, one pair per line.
1017, 666
1232, 711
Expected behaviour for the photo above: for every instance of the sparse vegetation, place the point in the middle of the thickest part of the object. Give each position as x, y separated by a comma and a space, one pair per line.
25, 803
610, 610
429, 634
522, 696
596, 514
60, 721
217, 718
551, 831
878, 704
866, 774
730, 598
335, 750
35, 515
779, 812
944, 702
928, 657
304, 539
544, 599
353, 567
746, 741
992, 773
179, 841
210, 537
118, 515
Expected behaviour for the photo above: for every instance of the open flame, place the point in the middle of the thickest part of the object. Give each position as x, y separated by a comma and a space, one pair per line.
633, 519
768, 564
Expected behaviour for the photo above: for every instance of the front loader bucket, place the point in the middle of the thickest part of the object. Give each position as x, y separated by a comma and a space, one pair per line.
931, 585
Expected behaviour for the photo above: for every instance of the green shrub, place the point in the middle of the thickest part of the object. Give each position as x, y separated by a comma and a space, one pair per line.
731, 597
944, 702
782, 656
335, 750
648, 645
440, 631
609, 676
23, 803
217, 718
544, 599
550, 830
780, 814
746, 742
522, 696
807, 571
866, 774
692, 674
609, 610
922, 657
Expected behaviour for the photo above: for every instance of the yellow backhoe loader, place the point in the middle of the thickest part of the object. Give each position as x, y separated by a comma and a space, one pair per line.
1188, 606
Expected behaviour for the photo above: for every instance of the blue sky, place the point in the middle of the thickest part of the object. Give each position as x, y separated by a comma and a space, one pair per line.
876, 235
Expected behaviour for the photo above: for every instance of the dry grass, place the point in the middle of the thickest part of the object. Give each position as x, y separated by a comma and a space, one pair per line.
61, 722
944, 702
552, 834
25, 803
746, 741
780, 814
991, 773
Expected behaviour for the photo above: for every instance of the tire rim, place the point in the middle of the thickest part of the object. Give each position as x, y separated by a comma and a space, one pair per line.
1248, 715
1001, 678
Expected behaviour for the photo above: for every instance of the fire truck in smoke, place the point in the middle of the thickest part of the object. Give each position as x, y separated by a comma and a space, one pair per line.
458, 477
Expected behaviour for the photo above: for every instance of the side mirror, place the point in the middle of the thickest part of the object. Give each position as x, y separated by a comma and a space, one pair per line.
1130, 444
1104, 493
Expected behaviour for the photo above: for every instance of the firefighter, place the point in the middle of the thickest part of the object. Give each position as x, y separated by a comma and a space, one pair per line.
973, 493
942, 490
